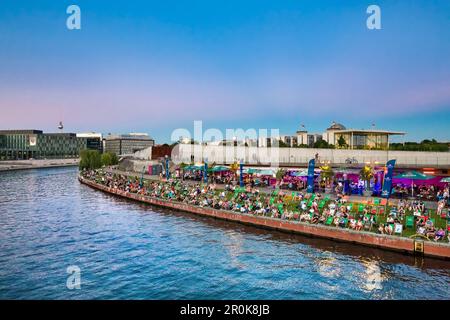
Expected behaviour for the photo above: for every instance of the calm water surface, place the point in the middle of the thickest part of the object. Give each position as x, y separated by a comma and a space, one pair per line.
127, 250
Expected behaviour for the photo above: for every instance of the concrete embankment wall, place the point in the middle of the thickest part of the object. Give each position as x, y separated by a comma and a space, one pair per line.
393, 243
301, 156
37, 164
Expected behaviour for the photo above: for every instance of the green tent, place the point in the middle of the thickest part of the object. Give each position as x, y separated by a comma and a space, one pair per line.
413, 175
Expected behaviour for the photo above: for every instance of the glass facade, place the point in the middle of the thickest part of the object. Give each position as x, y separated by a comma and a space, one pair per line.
27, 144
358, 140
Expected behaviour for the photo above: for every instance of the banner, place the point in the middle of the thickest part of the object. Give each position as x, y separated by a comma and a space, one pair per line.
387, 183
205, 173
311, 166
241, 174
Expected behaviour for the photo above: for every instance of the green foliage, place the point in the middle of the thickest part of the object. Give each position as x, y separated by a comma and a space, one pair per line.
109, 159
90, 159
280, 174
366, 174
341, 142
106, 159
425, 145
114, 159
326, 173
322, 144
282, 144
183, 165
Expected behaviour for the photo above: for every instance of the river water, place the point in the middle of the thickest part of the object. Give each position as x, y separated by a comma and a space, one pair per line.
128, 250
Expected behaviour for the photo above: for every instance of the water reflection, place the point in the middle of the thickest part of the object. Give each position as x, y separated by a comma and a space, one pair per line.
130, 250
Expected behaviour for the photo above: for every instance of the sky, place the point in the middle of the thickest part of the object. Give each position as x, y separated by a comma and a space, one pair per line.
155, 66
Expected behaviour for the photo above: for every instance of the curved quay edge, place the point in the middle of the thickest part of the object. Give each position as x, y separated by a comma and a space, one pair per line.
387, 242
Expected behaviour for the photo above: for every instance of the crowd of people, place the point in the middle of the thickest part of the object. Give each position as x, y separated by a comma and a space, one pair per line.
311, 208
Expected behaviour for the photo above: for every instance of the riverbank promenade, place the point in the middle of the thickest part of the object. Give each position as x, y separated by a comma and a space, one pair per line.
36, 164
371, 223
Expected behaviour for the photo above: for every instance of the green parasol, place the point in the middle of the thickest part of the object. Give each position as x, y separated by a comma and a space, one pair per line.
446, 179
193, 167
220, 169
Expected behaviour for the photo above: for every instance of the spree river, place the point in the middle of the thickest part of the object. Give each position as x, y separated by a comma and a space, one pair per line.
127, 250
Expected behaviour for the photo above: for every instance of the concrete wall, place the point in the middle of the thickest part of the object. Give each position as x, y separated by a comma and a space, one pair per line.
145, 154
300, 156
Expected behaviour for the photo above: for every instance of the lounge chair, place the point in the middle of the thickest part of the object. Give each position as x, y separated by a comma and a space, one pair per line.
361, 207
409, 222
322, 204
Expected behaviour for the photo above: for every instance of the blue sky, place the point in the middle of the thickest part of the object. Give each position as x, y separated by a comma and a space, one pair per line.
155, 66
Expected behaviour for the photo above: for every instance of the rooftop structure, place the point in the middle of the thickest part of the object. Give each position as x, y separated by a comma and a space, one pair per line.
126, 144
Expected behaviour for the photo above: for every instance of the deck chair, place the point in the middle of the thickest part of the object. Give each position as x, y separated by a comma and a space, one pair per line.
409, 222
383, 202
361, 207
398, 228
329, 221
322, 204
280, 208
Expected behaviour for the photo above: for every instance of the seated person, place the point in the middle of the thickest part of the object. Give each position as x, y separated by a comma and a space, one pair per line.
430, 232
389, 228
421, 230
440, 234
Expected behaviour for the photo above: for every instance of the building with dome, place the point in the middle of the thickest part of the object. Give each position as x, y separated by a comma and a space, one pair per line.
341, 137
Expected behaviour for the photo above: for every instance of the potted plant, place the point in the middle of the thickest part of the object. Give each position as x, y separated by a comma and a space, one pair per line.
327, 174
366, 174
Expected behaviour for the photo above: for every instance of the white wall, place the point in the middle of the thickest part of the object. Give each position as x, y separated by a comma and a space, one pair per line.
294, 156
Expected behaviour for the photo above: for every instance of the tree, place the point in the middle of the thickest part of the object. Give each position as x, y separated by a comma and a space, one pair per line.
326, 173
282, 144
341, 142
90, 159
322, 144
114, 159
106, 159
280, 174
366, 174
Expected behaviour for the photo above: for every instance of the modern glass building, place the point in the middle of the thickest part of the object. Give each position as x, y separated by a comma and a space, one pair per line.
127, 143
27, 144
371, 139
